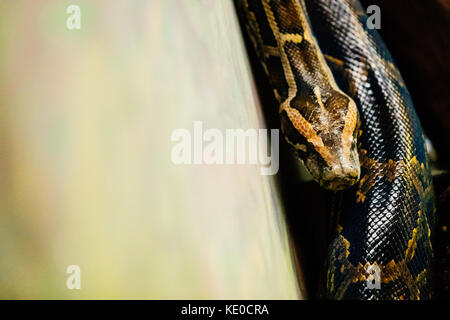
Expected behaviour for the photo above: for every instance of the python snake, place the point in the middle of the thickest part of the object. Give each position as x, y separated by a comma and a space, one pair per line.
347, 114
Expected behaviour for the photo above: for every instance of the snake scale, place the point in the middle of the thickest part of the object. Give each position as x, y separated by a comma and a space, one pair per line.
347, 114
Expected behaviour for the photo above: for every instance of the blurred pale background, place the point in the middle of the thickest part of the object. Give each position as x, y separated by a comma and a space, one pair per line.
85, 172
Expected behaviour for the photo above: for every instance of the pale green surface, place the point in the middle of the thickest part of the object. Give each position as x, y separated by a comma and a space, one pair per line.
86, 176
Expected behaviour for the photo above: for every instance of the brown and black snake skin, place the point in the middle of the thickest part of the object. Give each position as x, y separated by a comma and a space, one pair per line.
385, 220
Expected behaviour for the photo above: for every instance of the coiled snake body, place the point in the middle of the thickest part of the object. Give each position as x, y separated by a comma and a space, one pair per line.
385, 220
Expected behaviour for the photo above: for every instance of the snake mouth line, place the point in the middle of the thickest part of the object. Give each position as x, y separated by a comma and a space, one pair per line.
339, 183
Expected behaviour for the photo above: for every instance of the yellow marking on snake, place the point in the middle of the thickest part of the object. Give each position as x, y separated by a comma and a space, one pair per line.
291, 37
412, 243
306, 129
391, 170
337, 62
271, 51
319, 99
389, 272
393, 270
349, 127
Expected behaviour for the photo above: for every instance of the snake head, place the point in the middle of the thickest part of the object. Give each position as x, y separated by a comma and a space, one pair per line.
323, 131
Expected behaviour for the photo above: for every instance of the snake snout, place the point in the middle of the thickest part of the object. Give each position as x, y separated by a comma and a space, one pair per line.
338, 178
